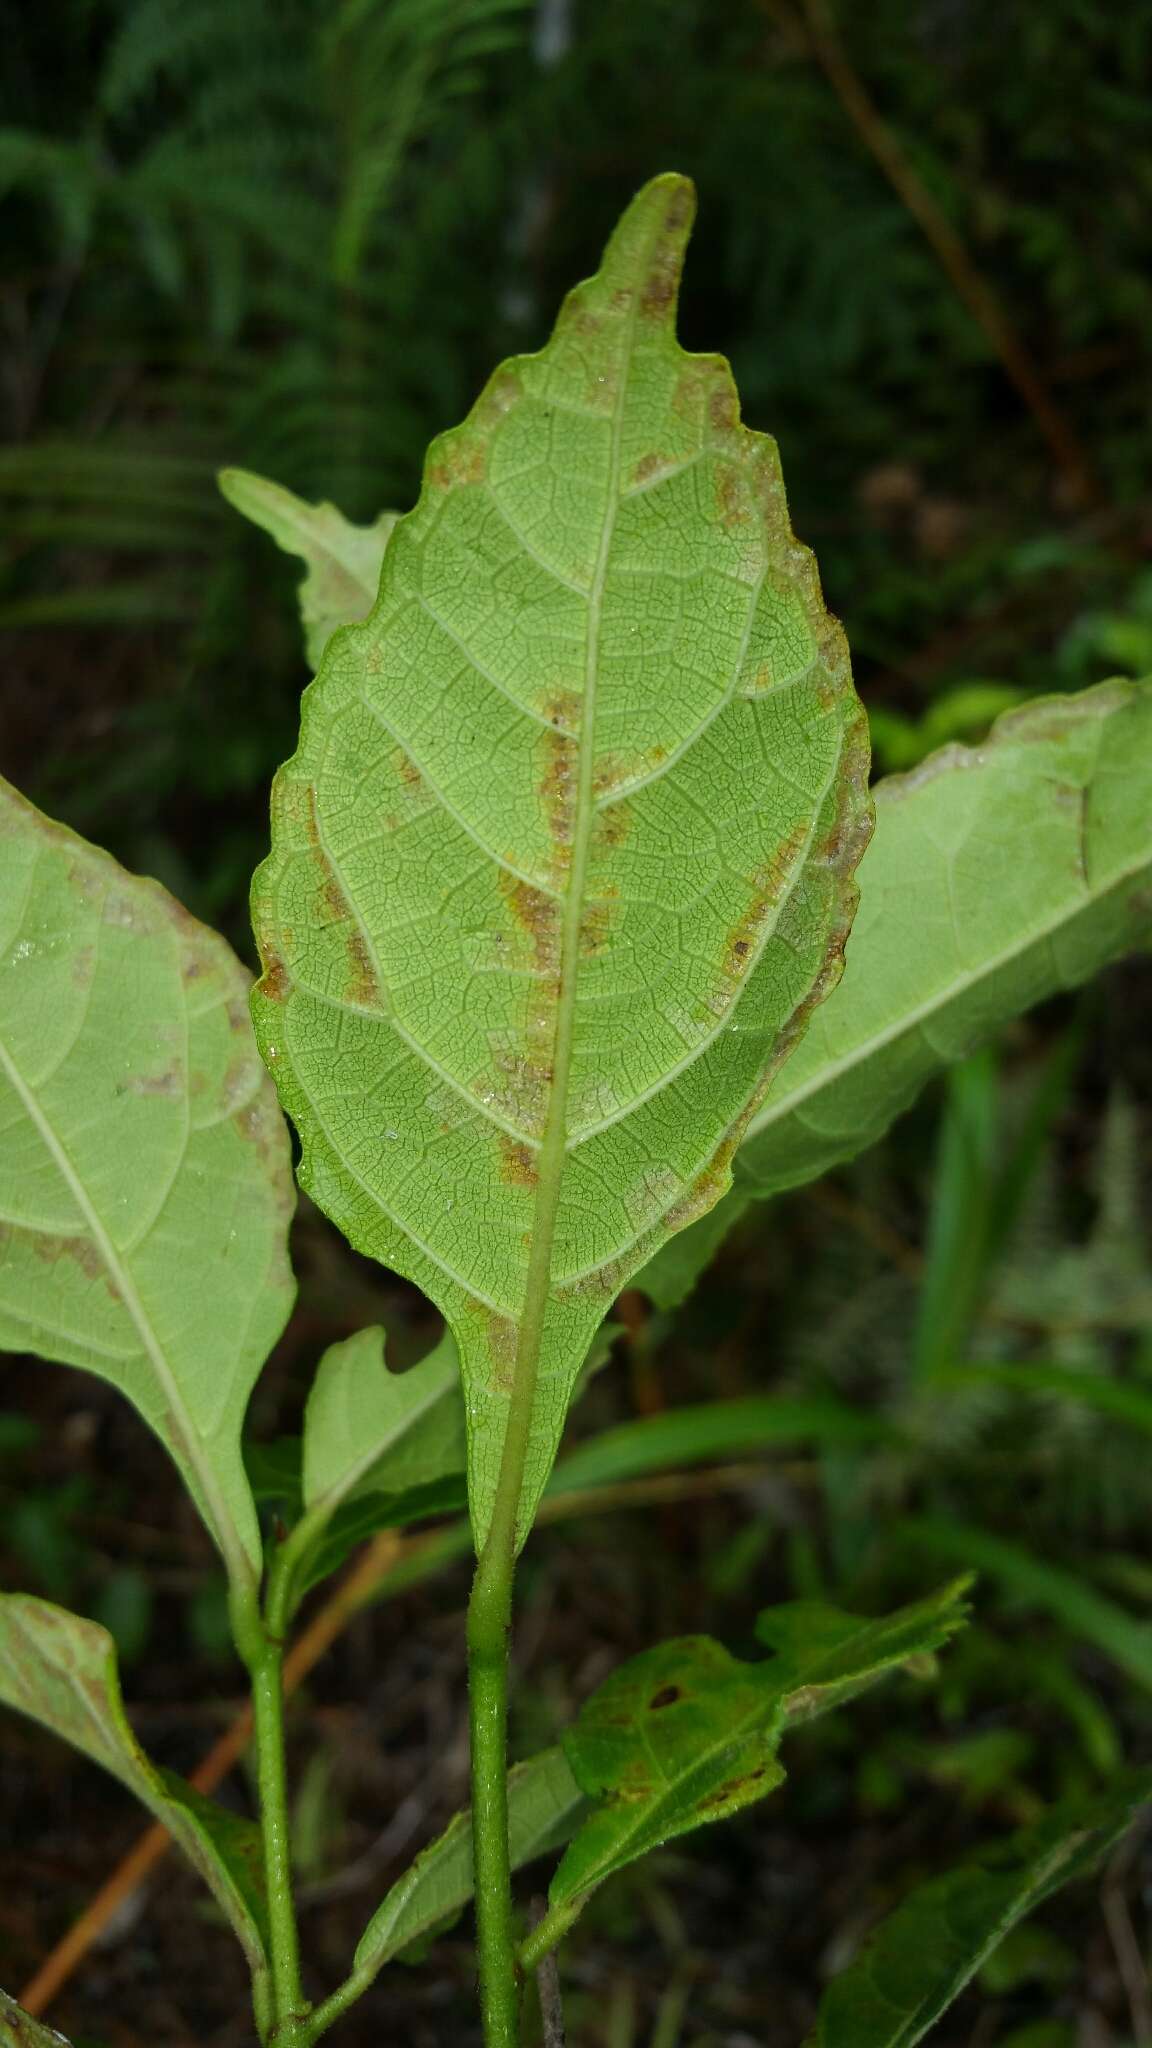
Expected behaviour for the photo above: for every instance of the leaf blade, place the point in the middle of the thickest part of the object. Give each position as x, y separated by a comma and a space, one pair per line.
1046, 832
523, 1147
140, 1136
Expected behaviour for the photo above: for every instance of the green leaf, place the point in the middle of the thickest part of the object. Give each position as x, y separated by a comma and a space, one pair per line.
368, 1430
921, 1957
61, 1671
19, 2030
380, 1450
997, 874
145, 1181
343, 559
563, 860
686, 1733
544, 1805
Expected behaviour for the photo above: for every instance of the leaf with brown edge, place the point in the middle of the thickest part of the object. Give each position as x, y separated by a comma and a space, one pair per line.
563, 860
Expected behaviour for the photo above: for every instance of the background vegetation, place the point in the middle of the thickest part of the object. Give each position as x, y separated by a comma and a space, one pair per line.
295, 236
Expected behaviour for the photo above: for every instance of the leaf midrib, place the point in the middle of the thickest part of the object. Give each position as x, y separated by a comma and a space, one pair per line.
226, 1531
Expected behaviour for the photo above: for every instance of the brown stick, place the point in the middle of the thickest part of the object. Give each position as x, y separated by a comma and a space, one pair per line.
979, 297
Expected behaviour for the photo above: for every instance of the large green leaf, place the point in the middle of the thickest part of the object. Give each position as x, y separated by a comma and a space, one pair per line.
932, 1945
145, 1183
997, 874
544, 1805
62, 1671
686, 1733
563, 860
343, 559
19, 2030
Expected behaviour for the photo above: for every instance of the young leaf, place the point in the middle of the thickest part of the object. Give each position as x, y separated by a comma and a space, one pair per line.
544, 1805
369, 1430
19, 2030
980, 894
921, 1957
997, 875
380, 1449
145, 1181
686, 1733
563, 860
61, 1671
343, 559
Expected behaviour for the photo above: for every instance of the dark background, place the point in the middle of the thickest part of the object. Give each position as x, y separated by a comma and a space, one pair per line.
296, 237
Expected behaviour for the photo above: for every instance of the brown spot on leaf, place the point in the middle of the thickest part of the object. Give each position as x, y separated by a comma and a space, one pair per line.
648, 467
595, 925
729, 1789
658, 295
517, 1162
539, 916
458, 458
559, 774
169, 1082
408, 771
51, 1247
731, 497
666, 1697
275, 981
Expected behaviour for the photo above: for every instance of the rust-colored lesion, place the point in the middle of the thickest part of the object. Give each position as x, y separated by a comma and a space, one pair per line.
713, 1801
539, 916
658, 293
407, 770
458, 458
518, 1164
595, 927
53, 1246
733, 500
558, 756
362, 986
769, 882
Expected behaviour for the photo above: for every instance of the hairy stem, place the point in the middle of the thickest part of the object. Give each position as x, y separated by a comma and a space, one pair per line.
288, 2027
489, 1621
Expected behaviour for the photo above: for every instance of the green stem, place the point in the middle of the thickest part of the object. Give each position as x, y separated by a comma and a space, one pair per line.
289, 2013
489, 1621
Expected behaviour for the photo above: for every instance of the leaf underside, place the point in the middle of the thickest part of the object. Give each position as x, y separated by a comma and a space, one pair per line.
997, 875
563, 860
61, 1671
145, 1178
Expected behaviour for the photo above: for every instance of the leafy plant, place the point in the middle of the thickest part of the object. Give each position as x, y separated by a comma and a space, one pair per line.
561, 879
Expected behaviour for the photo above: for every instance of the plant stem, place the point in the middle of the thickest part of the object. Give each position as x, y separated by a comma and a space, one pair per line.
489, 1618
289, 2013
